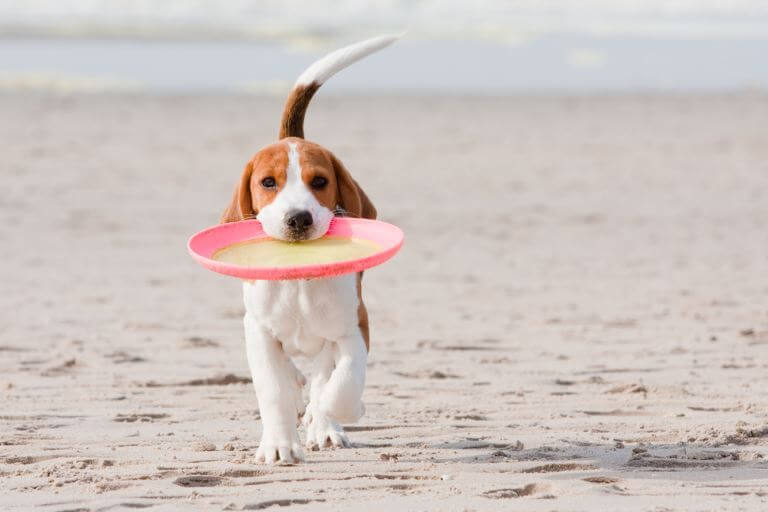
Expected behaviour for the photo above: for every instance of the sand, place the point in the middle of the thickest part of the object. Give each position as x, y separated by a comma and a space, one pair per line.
578, 319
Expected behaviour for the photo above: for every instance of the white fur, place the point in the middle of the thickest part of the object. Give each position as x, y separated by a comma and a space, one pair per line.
295, 195
315, 318
324, 68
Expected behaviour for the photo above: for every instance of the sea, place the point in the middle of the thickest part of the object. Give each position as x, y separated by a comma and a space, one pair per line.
479, 47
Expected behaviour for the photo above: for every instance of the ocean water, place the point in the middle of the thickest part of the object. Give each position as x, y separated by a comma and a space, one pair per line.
479, 47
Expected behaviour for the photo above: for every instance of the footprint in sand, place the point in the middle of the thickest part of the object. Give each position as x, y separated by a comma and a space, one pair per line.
518, 492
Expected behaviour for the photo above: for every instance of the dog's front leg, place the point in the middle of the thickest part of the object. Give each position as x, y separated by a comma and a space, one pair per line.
342, 395
277, 389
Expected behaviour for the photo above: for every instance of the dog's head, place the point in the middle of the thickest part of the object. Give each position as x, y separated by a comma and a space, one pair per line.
294, 188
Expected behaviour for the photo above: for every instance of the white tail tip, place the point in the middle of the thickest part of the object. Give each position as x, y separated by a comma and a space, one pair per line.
324, 68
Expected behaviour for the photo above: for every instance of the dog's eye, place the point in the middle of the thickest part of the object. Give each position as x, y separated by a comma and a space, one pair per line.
319, 182
268, 182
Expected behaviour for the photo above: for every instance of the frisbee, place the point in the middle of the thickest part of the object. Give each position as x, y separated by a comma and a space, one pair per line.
382, 239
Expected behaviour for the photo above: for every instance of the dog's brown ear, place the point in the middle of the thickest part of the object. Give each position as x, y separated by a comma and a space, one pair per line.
351, 197
241, 206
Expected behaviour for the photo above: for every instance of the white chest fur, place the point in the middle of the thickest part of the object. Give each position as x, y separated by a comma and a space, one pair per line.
302, 314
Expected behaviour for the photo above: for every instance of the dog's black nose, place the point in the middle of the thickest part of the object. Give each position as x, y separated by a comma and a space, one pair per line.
298, 220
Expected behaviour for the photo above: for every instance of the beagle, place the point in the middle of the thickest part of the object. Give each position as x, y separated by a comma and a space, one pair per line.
294, 188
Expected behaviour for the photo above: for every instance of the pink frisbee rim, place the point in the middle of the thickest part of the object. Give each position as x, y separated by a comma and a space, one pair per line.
202, 245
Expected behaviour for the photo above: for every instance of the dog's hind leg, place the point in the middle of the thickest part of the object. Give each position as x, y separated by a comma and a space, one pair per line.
322, 430
342, 395
279, 394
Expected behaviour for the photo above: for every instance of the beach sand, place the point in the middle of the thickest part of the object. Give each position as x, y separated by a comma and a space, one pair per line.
578, 319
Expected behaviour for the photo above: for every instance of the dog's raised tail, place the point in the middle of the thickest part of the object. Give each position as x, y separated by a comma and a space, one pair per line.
292, 124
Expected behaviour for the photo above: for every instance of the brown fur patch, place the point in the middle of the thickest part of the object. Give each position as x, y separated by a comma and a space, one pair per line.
362, 314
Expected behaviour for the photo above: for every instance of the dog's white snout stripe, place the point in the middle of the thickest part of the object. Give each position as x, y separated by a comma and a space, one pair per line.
293, 176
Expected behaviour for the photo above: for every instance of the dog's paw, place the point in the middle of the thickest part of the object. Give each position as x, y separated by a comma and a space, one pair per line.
280, 447
323, 432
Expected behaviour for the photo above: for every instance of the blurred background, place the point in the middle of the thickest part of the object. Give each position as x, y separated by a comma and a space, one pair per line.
584, 192
479, 47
